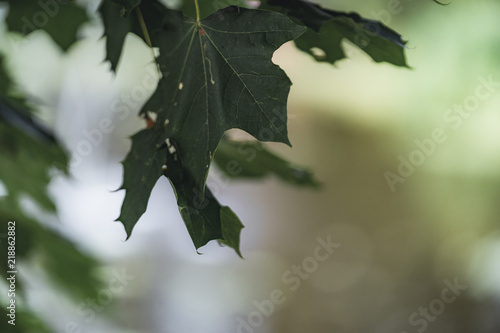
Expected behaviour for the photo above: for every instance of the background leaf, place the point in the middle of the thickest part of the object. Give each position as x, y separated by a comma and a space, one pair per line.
29, 150
117, 25
61, 20
30, 154
116, 28
327, 29
251, 159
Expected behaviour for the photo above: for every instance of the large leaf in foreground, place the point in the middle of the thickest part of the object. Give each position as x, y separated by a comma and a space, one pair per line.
327, 29
217, 75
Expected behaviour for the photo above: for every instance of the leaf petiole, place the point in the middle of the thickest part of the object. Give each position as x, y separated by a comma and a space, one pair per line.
144, 30
197, 12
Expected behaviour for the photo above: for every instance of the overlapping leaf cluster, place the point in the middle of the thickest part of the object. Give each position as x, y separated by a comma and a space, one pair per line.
217, 74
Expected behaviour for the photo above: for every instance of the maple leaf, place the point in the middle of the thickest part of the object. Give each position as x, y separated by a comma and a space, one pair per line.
217, 75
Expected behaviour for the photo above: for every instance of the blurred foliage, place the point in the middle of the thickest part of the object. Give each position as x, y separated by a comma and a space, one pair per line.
61, 20
30, 156
252, 159
328, 28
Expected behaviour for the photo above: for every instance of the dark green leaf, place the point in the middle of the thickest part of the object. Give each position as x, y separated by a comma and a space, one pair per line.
217, 75
61, 20
327, 29
117, 26
331, 34
126, 6
231, 229
141, 169
208, 7
202, 213
252, 159
5, 79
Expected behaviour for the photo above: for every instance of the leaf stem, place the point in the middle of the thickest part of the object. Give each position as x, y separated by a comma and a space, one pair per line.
197, 11
146, 37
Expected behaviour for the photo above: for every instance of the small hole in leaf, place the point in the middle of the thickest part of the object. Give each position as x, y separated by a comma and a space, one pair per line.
317, 53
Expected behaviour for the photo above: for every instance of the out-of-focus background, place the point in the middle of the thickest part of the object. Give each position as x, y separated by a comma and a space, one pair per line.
410, 165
